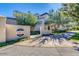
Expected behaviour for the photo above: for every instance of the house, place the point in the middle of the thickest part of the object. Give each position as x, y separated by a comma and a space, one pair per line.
46, 29
9, 30
40, 26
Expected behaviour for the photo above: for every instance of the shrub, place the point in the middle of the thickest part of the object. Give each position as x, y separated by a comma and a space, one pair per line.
75, 28
9, 42
35, 32
60, 31
2, 44
75, 37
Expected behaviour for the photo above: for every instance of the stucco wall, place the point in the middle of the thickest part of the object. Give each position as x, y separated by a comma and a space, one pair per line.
2, 29
12, 31
44, 29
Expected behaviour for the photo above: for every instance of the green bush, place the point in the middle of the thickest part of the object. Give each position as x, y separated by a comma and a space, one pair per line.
60, 31
14, 41
35, 32
11, 42
75, 37
2, 44
75, 28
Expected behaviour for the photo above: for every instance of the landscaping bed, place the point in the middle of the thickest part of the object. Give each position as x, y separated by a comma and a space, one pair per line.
35, 32
59, 31
10, 42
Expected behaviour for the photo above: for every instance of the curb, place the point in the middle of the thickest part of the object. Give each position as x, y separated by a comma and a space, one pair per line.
6, 47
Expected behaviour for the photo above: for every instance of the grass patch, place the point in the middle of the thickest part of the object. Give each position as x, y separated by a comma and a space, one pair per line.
75, 38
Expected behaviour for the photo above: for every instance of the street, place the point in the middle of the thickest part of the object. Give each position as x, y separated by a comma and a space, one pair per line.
18, 50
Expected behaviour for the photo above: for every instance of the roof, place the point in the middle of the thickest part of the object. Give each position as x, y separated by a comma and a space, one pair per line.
44, 14
10, 18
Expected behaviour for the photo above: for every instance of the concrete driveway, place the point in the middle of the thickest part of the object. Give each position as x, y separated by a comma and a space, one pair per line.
17, 50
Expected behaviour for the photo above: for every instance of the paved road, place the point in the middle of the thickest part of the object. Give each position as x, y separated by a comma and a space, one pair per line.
23, 50
16, 50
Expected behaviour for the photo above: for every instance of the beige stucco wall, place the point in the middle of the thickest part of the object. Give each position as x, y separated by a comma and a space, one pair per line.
2, 29
44, 29
9, 31
12, 31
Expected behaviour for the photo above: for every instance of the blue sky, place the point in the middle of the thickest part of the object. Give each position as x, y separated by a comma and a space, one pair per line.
6, 9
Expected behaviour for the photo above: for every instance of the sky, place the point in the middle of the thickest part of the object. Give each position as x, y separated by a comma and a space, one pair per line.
6, 9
